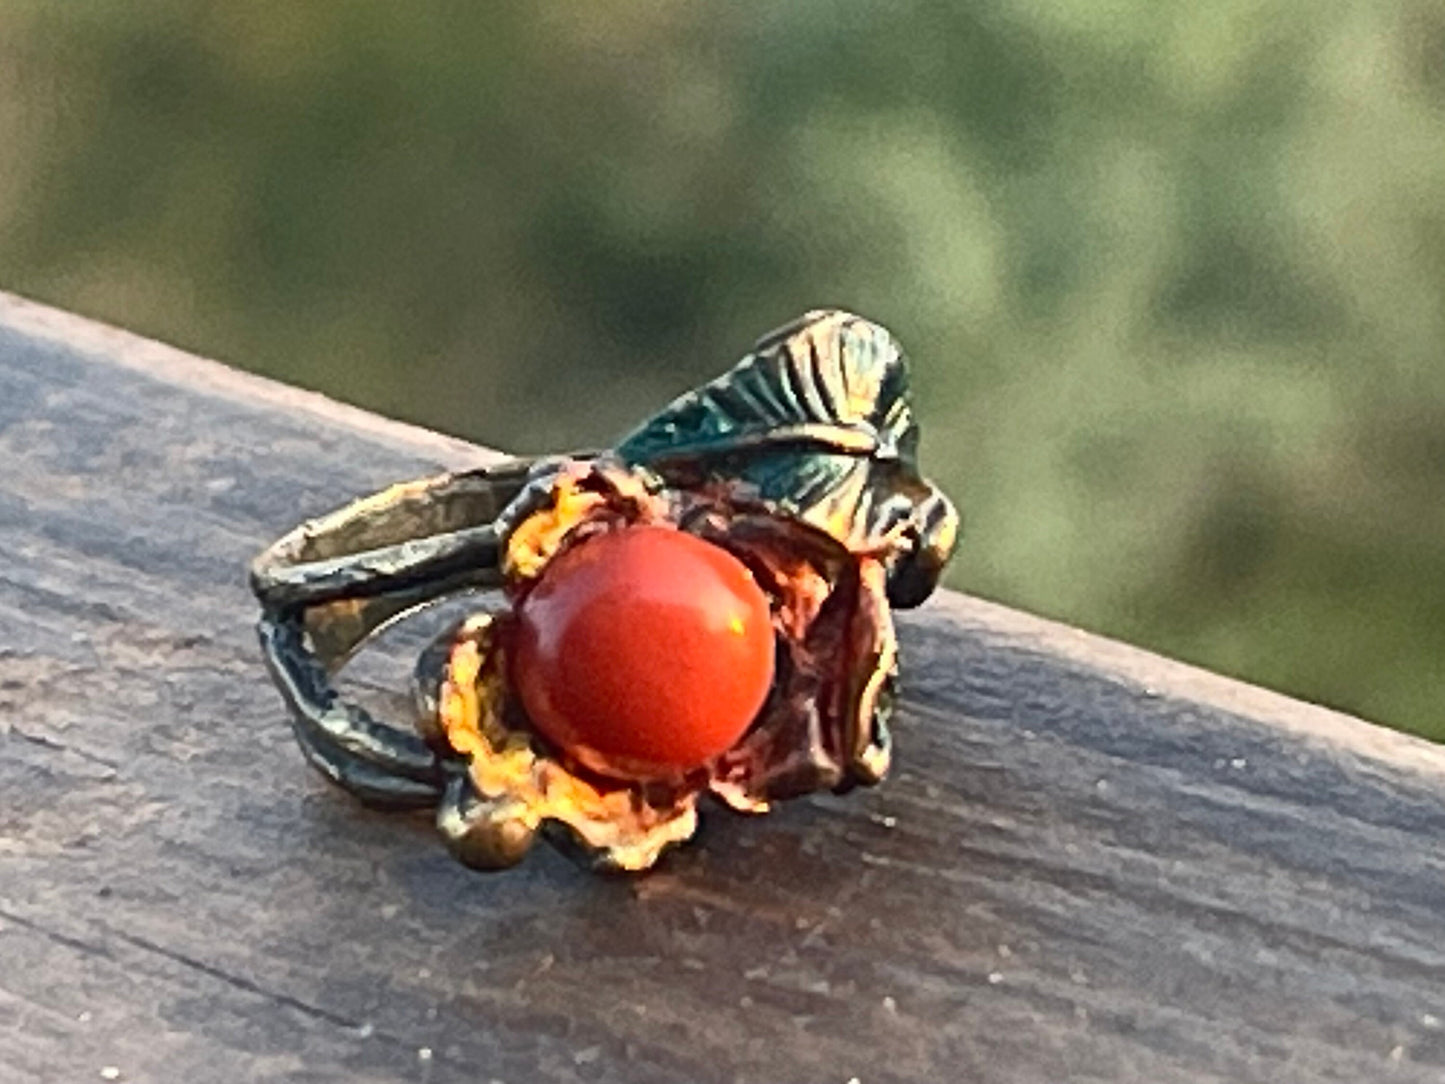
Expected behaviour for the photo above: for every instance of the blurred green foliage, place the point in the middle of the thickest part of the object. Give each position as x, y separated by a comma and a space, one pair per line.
1172, 274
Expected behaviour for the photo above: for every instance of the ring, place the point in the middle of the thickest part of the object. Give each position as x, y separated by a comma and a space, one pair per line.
705, 608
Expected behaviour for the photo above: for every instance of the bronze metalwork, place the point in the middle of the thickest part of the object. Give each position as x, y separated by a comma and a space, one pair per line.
801, 461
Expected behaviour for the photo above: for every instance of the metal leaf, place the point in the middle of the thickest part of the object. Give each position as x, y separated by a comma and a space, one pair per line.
817, 423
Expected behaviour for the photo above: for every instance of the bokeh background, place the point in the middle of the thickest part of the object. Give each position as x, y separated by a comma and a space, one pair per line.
1172, 273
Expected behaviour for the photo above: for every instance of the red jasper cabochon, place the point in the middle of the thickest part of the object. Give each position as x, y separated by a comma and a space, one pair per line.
643, 651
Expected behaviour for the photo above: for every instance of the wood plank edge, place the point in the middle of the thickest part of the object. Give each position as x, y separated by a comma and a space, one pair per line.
1150, 673
1156, 676
105, 344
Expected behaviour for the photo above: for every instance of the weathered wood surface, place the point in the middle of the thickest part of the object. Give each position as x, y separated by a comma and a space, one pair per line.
1091, 865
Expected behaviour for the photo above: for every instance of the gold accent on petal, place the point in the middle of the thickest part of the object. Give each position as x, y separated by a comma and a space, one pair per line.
534, 541
874, 668
581, 491
527, 788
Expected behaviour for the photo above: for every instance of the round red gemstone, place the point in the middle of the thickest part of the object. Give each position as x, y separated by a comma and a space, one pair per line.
643, 651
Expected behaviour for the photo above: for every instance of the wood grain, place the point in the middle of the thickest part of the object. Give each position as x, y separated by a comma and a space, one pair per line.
1090, 865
